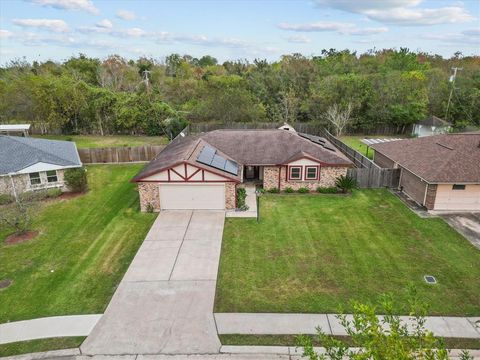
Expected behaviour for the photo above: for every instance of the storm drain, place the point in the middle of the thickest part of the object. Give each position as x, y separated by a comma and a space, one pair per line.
429, 279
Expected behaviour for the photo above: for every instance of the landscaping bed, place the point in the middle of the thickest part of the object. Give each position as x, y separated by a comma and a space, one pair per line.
317, 253
84, 246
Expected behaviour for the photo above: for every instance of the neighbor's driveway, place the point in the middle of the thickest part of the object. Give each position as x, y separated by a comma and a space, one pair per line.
467, 224
164, 304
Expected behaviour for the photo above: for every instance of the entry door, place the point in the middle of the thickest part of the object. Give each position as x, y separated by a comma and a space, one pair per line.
192, 196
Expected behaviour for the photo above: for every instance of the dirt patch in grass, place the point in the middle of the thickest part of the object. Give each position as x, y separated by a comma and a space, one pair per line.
20, 238
5, 283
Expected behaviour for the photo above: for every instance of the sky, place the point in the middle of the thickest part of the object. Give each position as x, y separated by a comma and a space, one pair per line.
233, 29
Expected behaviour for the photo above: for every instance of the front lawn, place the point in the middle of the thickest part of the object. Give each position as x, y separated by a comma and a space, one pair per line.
96, 141
314, 253
84, 247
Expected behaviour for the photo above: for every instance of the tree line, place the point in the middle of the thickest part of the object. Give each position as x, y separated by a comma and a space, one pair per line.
85, 95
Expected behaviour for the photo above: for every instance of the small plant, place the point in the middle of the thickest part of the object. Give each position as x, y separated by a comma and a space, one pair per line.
289, 190
303, 190
273, 190
346, 184
6, 199
150, 208
31, 196
17, 216
261, 191
241, 196
54, 193
327, 190
76, 179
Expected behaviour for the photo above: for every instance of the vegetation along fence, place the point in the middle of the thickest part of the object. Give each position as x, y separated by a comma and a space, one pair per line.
123, 154
367, 173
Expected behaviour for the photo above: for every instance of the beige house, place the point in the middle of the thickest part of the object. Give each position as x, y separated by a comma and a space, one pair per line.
440, 172
30, 164
204, 171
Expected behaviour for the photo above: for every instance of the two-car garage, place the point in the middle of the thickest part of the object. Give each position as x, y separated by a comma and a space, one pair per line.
183, 196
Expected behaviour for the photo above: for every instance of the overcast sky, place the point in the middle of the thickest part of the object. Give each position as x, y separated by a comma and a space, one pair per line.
58, 29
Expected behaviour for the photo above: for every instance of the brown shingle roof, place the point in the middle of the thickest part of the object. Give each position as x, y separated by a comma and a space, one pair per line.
448, 158
246, 147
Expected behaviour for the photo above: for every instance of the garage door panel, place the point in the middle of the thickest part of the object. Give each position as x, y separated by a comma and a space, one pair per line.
449, 199
192, 196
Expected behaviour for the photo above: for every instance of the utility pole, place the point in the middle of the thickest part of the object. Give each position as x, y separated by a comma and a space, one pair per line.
146, 79
452, 80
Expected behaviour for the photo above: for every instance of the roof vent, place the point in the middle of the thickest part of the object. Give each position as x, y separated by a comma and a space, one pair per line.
429, 279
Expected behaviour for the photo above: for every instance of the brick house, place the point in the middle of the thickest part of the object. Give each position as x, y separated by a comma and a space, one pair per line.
440, 172
203, 171
30, 164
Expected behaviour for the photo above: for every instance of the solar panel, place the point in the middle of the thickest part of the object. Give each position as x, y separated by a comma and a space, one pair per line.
209, 156
231, 167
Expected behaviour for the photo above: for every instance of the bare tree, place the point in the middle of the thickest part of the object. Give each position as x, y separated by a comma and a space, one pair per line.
16, 215
339, 117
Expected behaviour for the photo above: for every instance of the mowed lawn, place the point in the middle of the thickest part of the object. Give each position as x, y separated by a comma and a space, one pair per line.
94, 141
84, 247
316, 253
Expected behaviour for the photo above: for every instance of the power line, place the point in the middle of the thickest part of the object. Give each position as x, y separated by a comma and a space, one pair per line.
452, 79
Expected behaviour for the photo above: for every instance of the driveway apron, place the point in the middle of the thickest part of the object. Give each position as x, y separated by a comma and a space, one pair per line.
164, 304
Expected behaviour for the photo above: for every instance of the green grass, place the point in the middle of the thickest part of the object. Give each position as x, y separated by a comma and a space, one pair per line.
290, 340
314, 254
94, 141
84, 247
23, 347
355, 142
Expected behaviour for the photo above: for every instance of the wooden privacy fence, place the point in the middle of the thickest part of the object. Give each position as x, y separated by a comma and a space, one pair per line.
367, 173
124, 154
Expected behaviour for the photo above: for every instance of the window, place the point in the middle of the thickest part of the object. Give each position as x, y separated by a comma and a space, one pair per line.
35, 178
52, 176
311, 173
458, 187
295, 173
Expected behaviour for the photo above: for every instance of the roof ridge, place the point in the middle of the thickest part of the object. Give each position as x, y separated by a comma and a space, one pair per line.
55, 157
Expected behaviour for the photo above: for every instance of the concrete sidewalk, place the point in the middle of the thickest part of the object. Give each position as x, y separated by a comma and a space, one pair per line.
164, 304
294, 324
48, 327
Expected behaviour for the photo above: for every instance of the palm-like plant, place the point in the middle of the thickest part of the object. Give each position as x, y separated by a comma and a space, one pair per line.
346, 184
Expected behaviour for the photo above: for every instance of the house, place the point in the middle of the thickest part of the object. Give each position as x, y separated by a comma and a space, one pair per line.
431, 126
440, 172
203, 171
28, 164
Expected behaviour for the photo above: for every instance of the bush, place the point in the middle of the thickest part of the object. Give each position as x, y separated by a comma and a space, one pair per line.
6, 199
30, 196
346, 184
329, 190
76, 179
288, 190
54, 193
241, 196
303, 190
273, 191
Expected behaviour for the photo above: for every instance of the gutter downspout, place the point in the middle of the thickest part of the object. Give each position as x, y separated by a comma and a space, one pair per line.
13, 187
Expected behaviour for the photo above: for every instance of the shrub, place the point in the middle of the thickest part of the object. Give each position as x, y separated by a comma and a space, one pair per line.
273, 191
54, 193
76, 179
150, 208
329, 190
6, 199
346, 184
241, 196
288, 190
262, 191
303, 190
17, 216
30, 196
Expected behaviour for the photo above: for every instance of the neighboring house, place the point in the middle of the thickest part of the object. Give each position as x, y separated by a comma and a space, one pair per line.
32, 164
14, 129
203, 171
440, 172
431, 126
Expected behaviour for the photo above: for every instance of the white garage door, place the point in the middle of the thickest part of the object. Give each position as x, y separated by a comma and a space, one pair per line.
192, 196
449, 199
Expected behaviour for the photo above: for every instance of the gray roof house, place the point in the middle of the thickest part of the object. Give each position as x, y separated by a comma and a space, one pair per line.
28, 164
432, 125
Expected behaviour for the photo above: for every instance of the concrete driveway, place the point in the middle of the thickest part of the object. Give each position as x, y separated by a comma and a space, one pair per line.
164, 304
467, 224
